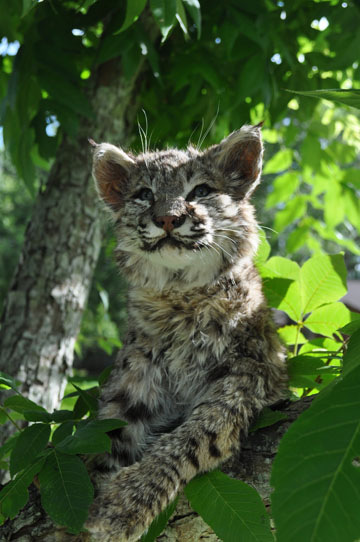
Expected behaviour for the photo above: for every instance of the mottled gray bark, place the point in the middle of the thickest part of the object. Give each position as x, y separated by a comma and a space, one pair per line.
253, 465
47, 296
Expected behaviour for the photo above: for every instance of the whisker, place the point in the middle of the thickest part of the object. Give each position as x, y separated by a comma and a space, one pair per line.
209, 247
233, 231
146, 130
225, 237
141, 135
210, 126
201, 131
266, 228
223, 250
152, 131
192, 133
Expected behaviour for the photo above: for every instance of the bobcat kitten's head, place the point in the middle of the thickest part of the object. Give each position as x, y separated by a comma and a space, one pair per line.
182, 216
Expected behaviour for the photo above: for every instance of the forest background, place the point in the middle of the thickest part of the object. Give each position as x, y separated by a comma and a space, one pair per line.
164, 73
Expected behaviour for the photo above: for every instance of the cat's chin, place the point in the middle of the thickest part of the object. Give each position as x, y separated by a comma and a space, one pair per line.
170, 243
180, 258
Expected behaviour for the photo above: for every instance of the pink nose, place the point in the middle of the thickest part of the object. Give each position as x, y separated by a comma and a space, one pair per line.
168, 223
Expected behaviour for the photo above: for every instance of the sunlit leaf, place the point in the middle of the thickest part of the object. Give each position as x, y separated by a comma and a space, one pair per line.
328, 318
344, 96
293, 210
7, 381
193, 7
291, 335
323, 280
134, 8
164, 12
277, 266
283, 294
283, 188
281, 161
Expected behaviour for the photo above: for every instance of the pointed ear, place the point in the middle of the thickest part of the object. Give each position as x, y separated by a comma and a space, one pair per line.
239, 156
111, 167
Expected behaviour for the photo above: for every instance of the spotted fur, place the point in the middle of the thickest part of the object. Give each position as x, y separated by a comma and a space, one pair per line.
201, 356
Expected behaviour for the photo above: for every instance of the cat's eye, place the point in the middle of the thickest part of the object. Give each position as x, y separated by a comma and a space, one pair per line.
200, 191
145, 194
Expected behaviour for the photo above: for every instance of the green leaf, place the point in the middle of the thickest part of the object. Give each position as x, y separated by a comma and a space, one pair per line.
352, 356
181, 18
104, 375
291, 335
284, 187
263, 250
90, 437
7, 382
62, 432
30, 443
328, 319
14, 495
304, 365
19, 403
277, 266
334, 208
164, 12
266, 418
66, 490
88, 398
193, 7
293, 210
27, 6
349, 97
323, 280
159, 523
310, 372
350, 328
283, 294
65, 92
315, 474
279, 162
134, 8
37, 416
63, 415
352, 206
8, 445
233, 509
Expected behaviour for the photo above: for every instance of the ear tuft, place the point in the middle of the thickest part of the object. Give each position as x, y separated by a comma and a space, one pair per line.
111, 167
240, 156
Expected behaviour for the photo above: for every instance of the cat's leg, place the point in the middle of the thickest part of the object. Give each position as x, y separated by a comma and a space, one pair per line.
134, 394
133, 497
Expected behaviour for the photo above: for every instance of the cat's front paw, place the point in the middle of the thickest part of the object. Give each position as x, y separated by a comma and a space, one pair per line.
125, 506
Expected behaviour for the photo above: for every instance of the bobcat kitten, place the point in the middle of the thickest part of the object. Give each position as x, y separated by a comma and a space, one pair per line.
201, 357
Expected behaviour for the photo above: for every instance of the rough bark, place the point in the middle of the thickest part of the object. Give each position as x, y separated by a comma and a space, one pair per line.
46, 299
252, 465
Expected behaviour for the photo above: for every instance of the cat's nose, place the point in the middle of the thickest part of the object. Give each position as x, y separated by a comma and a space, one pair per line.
168, 223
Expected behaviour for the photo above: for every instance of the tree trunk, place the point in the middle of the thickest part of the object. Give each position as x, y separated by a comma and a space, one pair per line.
47, 296
252, 465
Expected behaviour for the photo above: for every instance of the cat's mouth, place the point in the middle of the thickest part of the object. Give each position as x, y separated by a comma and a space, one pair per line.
170, 242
